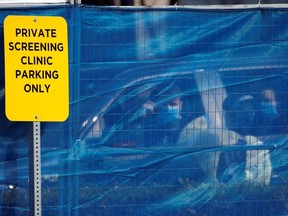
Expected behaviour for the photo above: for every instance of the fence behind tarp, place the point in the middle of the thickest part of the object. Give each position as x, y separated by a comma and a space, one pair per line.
173, 111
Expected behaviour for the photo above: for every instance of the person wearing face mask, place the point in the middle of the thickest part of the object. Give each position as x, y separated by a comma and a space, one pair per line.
253, 166
169, 116
269, 114
163, 121
269, 105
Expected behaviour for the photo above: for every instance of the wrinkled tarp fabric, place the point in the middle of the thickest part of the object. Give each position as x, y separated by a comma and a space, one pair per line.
172, 112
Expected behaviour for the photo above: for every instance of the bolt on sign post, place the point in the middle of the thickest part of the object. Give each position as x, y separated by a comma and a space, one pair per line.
36, 81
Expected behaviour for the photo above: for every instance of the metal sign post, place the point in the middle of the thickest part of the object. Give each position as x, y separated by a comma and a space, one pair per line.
35, 172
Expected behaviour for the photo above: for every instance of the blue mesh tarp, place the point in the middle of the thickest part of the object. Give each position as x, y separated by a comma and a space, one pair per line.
173, 111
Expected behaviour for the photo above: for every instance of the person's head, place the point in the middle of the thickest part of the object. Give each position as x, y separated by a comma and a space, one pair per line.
268, 105
169, 104
268, 95
240, 113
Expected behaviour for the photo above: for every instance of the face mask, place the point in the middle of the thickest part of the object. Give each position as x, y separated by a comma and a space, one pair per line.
269, 110
169, 113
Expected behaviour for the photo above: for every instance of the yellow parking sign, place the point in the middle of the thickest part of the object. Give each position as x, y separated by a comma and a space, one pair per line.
36, 68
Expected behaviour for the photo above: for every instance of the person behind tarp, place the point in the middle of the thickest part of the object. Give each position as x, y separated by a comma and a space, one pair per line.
240, 113
270, 121
254, 165
161, 127
240, 117
233, 165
